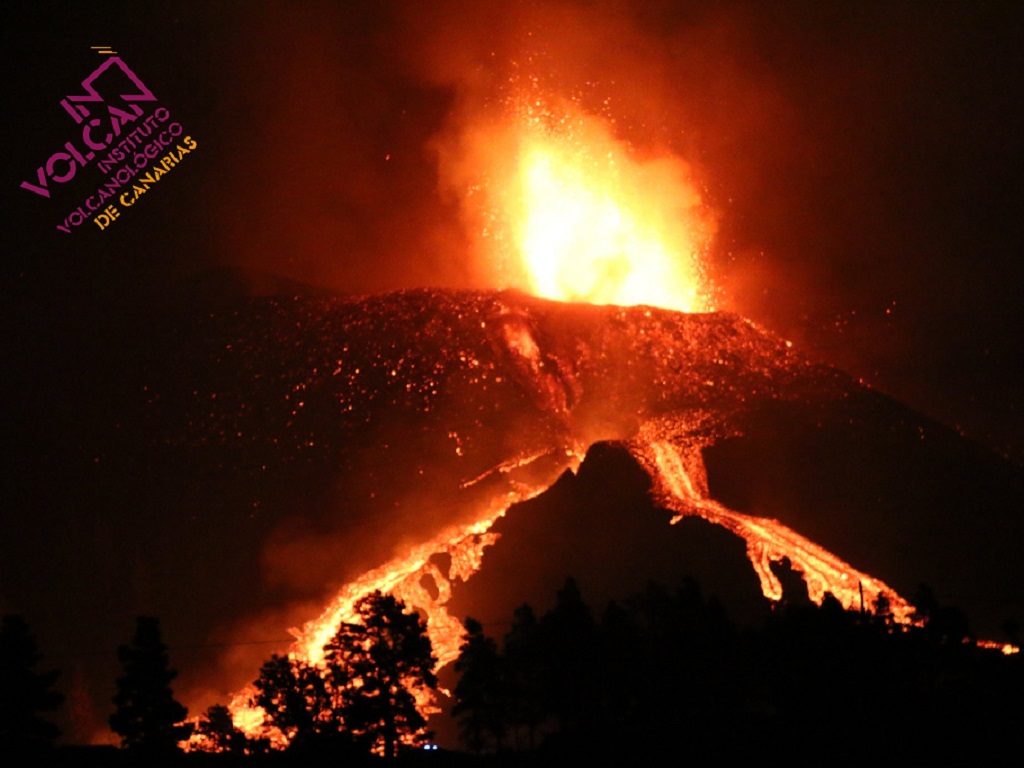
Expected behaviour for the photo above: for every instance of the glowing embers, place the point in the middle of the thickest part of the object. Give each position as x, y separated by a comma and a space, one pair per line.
1007, 649
575, 214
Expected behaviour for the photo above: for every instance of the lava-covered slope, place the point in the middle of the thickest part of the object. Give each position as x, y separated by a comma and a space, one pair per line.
440, 398
258, 453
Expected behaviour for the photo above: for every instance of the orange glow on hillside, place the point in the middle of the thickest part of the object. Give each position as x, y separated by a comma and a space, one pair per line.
402, 577
573, 213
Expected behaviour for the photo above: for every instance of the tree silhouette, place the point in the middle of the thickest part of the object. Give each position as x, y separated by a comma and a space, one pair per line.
221, 734
24, 693
374, 665
480, 695
623, 657
297, 701
670, 668
944, 623
570, 643
147, 716
526, 679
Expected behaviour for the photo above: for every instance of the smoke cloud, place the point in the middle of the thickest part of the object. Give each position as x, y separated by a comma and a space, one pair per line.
854, 153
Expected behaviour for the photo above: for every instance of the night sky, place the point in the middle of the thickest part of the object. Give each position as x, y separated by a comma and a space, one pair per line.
865, 161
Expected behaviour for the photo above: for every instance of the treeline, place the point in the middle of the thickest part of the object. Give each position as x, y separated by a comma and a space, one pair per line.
667, 672
146, 715
664, 672
359, 701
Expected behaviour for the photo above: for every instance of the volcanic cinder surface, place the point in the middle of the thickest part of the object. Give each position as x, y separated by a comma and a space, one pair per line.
272, 449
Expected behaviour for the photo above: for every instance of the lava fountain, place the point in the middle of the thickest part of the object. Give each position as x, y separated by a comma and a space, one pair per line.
575, 214
565, 211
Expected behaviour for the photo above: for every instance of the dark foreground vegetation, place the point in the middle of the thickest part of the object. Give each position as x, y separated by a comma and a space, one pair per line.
663, 676
666, 673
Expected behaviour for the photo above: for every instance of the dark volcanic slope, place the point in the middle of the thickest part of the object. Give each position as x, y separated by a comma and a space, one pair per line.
255, 453
298, 370
393, 403
901, 497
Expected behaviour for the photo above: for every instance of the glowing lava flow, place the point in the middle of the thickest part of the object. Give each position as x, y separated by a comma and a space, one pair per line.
680, 484
402, 577
589, 221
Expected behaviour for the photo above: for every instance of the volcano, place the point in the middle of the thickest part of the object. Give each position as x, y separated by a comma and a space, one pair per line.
323, 447
429, 413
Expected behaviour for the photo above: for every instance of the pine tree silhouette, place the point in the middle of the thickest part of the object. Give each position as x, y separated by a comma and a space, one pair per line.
524, 655
361, 698
24, 693
147, 716
222, 735
295, 697
481, 693
375, 665
570, 642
